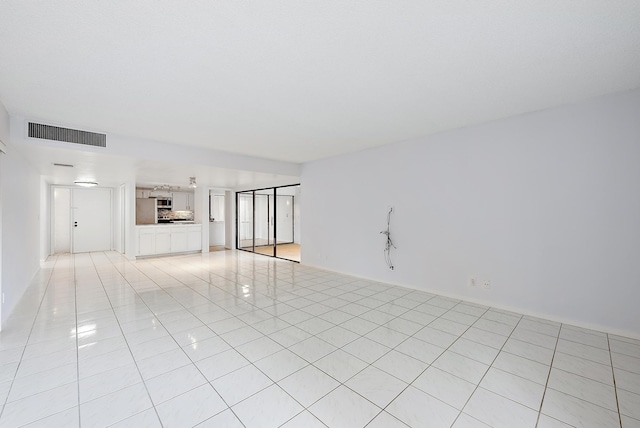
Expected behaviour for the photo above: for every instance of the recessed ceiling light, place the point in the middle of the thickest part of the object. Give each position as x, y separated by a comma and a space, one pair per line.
85, 183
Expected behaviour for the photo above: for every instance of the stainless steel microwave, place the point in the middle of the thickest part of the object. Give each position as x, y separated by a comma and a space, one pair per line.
164, 202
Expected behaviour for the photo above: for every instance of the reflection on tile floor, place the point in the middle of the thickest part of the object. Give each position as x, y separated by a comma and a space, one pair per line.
232, 339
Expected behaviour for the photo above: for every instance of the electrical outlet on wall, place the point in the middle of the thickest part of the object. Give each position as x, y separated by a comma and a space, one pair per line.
486, 284
473, 281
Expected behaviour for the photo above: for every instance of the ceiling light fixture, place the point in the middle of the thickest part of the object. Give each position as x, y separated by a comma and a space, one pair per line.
85, 183
192, 182
167, 187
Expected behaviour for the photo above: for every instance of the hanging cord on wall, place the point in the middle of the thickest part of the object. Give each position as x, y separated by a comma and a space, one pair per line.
389, 243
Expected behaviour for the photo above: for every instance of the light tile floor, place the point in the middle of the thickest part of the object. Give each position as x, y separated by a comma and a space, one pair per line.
232, 339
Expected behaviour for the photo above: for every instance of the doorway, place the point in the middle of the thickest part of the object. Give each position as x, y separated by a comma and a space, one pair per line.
217, 225
268, 221
82, 220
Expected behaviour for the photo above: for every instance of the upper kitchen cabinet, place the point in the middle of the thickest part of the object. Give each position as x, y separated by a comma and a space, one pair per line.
182, 201
160, 194
143, 193
179, 201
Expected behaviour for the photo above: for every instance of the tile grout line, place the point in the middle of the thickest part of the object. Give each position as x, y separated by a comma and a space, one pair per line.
305, 408
439, 317
258, 279
615, 387
252, 363
488, 368
338, 348
106, 295
520, 356
394, 348
390, 348
546, 385
179, 347
75, 304
259, 308
128, 347
429, 364
582, 376
35, 317
170, 335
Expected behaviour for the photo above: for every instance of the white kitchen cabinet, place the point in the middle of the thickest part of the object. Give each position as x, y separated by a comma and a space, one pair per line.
146, 241
194, 238
159, 194
182, 201
165, 239
178, 239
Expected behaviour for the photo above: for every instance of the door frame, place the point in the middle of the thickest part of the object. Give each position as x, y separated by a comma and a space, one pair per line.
52, 217
275, 219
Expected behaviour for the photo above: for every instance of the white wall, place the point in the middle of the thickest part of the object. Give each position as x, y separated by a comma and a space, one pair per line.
201, 214
45, 219
545, 205
20, 207
131, 239
4, 140
297, 217
61, 219
216, 233
120, 218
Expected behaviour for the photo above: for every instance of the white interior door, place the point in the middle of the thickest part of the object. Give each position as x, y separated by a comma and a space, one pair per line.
92, 226
216, 219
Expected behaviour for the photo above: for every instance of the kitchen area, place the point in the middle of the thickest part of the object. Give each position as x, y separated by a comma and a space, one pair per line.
165, 221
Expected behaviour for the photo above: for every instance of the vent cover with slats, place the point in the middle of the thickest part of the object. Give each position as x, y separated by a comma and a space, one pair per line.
48, 132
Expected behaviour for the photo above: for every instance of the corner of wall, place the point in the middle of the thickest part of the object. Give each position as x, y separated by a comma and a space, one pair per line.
22, 218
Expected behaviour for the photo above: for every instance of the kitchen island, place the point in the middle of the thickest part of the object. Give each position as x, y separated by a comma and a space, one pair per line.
169, 238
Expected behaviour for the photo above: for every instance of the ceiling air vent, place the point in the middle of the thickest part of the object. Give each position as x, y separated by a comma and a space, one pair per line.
48, 132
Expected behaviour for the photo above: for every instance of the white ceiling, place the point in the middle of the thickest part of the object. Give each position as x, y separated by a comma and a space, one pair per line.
301, 80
